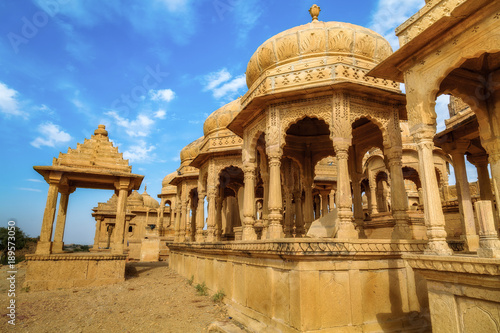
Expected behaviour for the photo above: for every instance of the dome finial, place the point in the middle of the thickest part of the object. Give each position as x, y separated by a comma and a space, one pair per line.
101, 130
314, 11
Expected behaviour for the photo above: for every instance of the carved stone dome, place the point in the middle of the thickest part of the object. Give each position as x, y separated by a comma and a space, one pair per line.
189, 152
313, 42
165, 184
135, 199
149, 201
220, 118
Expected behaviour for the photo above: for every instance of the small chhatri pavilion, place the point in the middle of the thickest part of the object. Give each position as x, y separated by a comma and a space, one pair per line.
95, 164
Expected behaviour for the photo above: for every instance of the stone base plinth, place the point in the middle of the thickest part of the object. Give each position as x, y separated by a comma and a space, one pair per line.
464, 291
56, 271
150, 249
311, 285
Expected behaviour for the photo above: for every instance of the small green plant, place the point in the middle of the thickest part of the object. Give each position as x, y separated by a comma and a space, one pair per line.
218, 296
190, 281
201, 289
26, 289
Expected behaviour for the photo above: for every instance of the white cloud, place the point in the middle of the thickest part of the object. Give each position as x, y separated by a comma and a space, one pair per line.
160, 114
141, 152
29, 189
51, 135
135, 128
162, 95
34, 180
247, 14
174, 6
8, 101
216, 78
222, 84
390, 14
230, 88
442, 111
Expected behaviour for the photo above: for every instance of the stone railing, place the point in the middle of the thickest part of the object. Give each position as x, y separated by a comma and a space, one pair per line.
75, 256
455, 264
307, 247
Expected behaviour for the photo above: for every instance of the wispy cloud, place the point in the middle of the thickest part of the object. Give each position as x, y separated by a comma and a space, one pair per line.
390, 14
51, 135
222, 84
176, 15
9, 104
34, 180
165, 95
246, 17
29, 189
160, 114
139, 127
140, 152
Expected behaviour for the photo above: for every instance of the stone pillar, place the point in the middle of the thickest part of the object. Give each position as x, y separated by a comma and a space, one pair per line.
489, 244
433, 212
200, 216
399, 198
44, 245
483, 175
373, 196
288, 227
308, 183
346, 228
58, 245
97, 235
358, 205
211, 198
483, 178
159, 218
249, 203
275, 229
457, 150
299, 219
332, 200
265, 202
324, 202
123, 188
177, 225
218, 217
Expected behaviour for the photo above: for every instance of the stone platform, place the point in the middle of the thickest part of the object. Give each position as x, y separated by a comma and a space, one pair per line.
464, 291
68, 270
311, 285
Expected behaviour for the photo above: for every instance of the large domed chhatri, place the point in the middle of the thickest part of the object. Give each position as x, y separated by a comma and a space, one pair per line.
316, 53
221, 117
364, 47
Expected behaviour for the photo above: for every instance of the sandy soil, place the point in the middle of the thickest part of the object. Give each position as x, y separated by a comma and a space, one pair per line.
152, 299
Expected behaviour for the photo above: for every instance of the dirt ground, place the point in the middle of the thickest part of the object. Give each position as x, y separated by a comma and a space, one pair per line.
153, 298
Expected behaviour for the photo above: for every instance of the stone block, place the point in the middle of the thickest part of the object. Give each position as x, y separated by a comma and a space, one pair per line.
325, 226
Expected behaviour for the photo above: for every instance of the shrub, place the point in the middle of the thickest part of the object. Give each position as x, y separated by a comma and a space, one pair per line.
202, 289
218, 296
190, 281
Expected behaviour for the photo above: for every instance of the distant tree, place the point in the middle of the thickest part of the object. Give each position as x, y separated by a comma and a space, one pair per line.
19, 236
19, 241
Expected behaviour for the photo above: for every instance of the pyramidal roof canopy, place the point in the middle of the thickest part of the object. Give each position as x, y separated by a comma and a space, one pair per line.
95, 163
95, 153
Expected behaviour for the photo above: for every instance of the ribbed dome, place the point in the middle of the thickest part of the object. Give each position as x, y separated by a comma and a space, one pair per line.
189, 152
220, 118
149, 201
135, 199
317, 40
165, 184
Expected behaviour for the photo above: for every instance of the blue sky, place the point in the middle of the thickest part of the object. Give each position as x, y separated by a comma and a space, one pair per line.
151, 71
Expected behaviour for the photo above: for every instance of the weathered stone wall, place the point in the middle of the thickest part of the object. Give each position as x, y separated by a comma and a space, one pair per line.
464, 292
56, 271
313, 293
